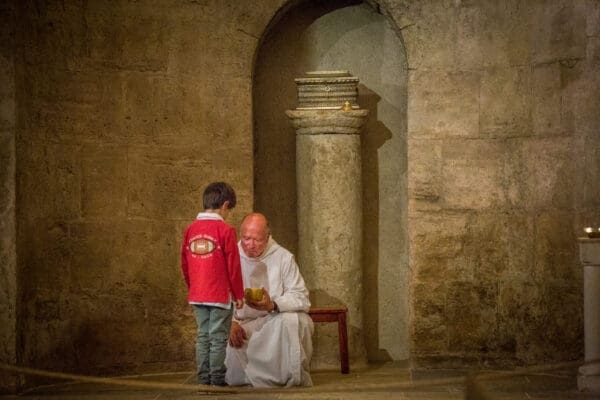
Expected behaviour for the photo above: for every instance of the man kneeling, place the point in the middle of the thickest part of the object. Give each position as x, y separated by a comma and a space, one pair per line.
270, 342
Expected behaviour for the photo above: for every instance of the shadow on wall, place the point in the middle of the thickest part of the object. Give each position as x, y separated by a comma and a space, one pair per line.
374, 137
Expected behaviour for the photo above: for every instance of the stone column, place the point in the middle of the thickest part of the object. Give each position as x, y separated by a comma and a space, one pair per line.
589, 372
328, 175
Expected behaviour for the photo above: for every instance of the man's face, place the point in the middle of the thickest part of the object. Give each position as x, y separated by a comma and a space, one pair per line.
254, 238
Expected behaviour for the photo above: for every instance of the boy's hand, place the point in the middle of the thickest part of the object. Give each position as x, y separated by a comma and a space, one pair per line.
239, 303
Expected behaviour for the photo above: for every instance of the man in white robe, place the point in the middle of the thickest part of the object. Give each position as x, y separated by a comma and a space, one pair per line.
270, 342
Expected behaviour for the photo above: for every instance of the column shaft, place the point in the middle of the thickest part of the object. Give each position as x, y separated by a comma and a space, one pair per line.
329, 182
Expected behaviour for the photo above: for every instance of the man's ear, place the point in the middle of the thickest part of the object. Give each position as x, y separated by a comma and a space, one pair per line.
226, 204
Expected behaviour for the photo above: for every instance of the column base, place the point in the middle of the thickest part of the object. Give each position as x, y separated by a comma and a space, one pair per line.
589, 378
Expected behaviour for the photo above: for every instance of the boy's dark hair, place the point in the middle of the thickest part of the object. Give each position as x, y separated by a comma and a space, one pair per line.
216, 194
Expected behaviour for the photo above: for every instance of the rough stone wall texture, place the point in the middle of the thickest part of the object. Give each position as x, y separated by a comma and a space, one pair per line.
8, 256
127, 110
503, 152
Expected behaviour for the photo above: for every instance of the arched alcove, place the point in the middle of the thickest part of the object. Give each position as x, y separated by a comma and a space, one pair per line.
342, 35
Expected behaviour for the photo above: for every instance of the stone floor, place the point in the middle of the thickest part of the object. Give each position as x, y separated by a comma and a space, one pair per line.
381, 381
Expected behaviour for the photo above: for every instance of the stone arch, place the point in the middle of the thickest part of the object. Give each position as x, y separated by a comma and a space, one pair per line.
354, 35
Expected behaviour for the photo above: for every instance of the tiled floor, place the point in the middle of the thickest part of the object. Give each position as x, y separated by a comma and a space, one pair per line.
381, 381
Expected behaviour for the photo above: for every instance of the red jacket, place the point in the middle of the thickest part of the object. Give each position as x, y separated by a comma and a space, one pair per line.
210, 261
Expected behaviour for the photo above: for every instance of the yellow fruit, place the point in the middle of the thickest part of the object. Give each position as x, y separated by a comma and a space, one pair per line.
252, 295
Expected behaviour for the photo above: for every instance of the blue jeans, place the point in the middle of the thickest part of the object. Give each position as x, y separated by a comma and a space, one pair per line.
211, 341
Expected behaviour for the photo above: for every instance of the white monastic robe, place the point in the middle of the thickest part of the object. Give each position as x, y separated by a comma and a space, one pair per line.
279, 345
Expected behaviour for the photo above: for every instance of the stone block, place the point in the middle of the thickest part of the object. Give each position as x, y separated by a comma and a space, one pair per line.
520, 236
560, 31
592, 18
564, 328
555, 250
223, 51
178, 104
474, 330
139, 114
505, 102
111, 256
506, 32
425, 170
578, 185
591, 173
522, 312
547, 168
430, 39
530, 315
104, 181
546, 99
429, 299
470, 52
486, 245
49, 177
166, 181
580, 97
8, 254
231, 116
47, 261
57, 33
74, 108
473, 174
127, 39
443, 104
7, 174
33, 179
192, 110
593, 51
7, 93
436, 245
428, 327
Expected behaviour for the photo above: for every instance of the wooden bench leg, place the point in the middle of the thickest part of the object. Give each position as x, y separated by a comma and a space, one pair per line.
343, 338
335, 314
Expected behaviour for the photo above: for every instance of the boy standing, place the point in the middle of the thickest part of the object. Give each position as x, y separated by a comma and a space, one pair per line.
210, 262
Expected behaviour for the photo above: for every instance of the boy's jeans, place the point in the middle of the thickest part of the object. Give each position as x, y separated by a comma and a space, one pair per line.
211, 341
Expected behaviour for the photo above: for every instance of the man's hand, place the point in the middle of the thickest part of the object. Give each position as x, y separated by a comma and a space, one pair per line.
265, 304
237, 335
239, 303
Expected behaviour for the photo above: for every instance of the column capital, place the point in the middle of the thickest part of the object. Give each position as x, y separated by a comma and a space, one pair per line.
320, 122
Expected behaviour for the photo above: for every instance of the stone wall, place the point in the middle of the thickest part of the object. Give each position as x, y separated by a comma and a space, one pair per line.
127, 109
503, 174
8, 256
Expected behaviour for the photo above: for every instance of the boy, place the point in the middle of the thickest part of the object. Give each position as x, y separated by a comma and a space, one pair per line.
210, 262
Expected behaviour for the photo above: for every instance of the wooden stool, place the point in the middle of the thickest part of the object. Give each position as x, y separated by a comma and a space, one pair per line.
335, 314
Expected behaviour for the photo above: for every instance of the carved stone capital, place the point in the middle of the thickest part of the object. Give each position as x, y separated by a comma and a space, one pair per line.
320, 122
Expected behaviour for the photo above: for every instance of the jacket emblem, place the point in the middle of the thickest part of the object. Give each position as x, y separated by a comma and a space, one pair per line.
202, 246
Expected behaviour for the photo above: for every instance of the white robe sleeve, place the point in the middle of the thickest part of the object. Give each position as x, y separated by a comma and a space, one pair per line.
294, 294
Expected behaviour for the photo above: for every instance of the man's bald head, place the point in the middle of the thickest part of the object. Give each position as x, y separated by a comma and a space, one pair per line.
254, 234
